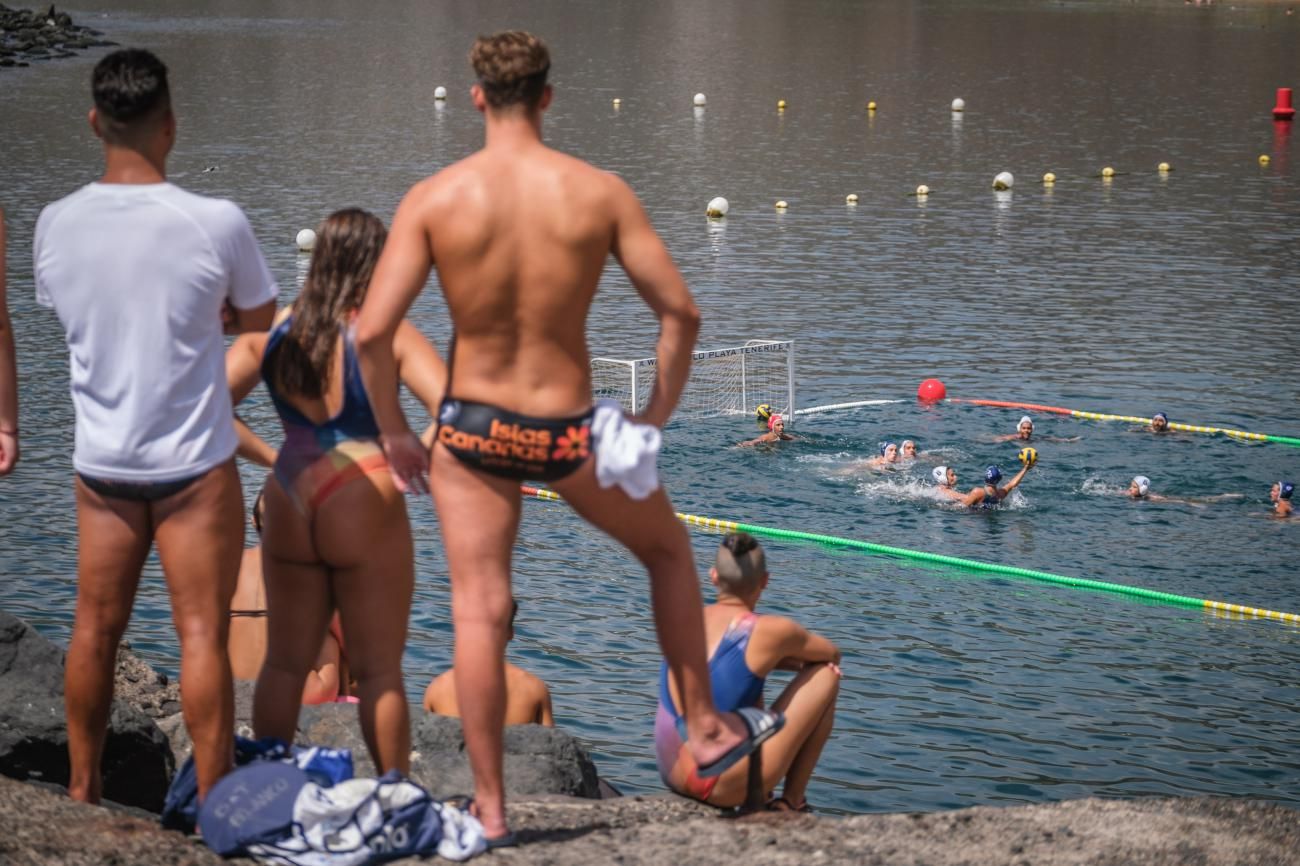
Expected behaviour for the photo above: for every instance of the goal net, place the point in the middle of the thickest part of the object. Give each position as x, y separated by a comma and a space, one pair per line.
731, 381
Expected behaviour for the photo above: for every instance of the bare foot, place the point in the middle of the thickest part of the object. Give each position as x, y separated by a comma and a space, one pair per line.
492, 815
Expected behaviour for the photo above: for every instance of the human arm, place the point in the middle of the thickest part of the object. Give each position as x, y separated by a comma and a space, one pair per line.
8, 374
434, 695
1006, 489
243, 371
252, 447
399, 275
421, 369
645, 259
544, 714
322, 685
251, 293
788, 646
975, 497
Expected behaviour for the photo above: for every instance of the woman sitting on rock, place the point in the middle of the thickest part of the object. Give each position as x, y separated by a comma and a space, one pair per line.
746, 647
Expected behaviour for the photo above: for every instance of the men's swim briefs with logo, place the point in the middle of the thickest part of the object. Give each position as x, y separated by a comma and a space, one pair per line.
510, 445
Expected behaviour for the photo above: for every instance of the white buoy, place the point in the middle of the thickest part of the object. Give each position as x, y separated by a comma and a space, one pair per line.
959, 104
1108, 172
439, 92
306, 240
718, 208
699, 99
1049, 179
781, 205
617, 102
922, 190
1004, 180
851, 198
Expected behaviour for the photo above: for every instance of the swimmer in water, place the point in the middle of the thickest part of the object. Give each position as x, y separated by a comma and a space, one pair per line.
1025, 432
1281, 496
945, 480
888, 455
775, 432
1140, 488
907, 451
990, 494
1159, 423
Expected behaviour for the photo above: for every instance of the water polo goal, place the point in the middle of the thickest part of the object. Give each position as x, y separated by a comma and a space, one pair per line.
727, 381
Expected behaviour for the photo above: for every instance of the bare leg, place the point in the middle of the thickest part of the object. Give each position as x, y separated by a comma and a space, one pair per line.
795, 788
651, 531
298, 607
113, 540
363, 533
809, 707
200, 534
480, 520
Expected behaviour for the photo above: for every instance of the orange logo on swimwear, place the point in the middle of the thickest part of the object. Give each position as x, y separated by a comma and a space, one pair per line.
572, 445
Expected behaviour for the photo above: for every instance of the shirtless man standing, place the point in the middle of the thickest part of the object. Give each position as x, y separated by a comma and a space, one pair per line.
143, 275
519, 234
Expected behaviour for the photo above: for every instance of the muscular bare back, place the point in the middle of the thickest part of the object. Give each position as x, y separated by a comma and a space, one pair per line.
519, 238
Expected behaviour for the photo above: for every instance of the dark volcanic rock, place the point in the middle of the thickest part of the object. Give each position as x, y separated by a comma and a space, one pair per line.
41, 827
538, 760
138, 762
30, 35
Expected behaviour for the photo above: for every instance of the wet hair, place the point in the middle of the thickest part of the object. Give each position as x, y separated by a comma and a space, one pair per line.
347, 249
511, 67
740, 563
131, 94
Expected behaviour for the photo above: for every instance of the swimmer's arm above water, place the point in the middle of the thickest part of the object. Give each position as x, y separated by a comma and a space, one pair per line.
646, 261
1015, 480
399, 276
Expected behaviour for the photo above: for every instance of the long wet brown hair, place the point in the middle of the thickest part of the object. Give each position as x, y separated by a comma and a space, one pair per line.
347, 248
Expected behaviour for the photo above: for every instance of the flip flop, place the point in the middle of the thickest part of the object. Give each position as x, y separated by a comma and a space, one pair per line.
781, 804
506, 840
760, 725
465, 803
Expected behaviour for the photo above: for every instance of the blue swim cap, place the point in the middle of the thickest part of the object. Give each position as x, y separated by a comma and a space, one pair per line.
884, 446
1287, 488
993, 475
1160, 415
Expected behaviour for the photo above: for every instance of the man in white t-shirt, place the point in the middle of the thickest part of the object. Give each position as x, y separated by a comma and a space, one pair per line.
144, 276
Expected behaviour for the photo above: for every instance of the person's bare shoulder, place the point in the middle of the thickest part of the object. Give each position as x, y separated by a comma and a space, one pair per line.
437, 694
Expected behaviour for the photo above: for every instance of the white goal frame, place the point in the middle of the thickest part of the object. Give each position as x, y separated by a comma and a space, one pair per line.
636, 379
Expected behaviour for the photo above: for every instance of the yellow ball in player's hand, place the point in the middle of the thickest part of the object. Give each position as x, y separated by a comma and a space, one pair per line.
1028, 456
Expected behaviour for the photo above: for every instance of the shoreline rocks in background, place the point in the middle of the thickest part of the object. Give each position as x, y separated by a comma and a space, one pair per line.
28, 35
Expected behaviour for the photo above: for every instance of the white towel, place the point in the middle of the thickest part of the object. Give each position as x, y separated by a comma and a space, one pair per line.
627, 453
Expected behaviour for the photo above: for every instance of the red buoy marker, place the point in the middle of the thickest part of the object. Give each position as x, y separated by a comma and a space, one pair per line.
931, 391
1283, 110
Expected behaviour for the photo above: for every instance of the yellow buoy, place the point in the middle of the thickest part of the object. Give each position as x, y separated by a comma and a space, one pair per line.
781, 205
617, 102
780, 105
851, 198
1049, 179
1164, 168
871, 106
1108, 172
1264, 159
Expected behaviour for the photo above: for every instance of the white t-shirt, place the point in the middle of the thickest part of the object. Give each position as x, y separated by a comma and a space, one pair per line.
138, 275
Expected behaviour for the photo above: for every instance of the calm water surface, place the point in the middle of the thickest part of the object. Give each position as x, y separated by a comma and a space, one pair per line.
1148, 292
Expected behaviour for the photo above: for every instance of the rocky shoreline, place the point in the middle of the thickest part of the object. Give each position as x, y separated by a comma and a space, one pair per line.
552, 785
28, 35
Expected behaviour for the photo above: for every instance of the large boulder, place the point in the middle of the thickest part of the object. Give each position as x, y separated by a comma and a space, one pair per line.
538, 760
138, 762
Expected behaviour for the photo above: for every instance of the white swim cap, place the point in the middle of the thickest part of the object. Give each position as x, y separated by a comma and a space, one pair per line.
1024, 419
940, 474
1143, 483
